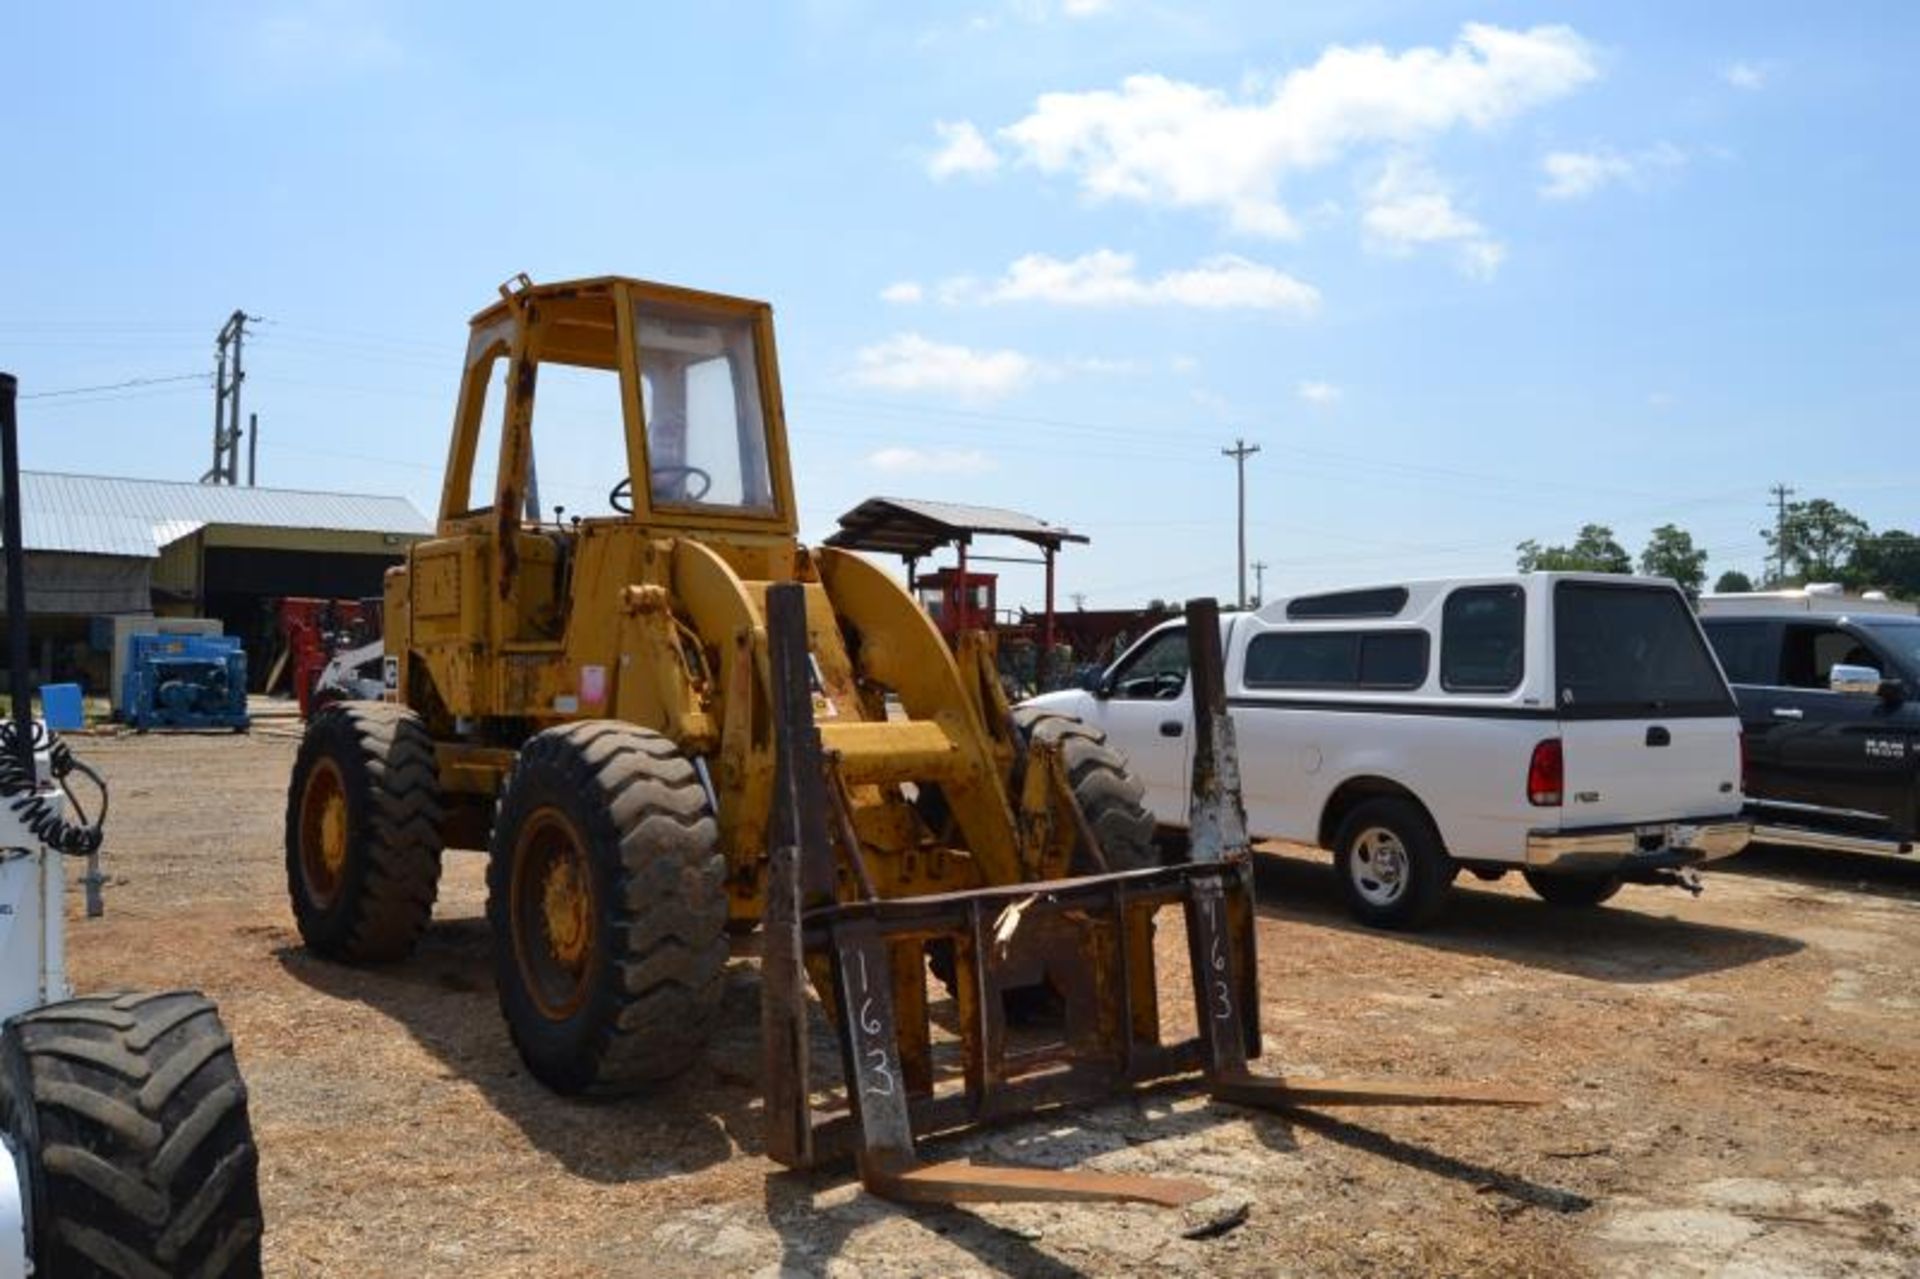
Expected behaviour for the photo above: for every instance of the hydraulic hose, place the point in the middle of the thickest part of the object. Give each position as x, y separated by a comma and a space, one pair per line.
20, 791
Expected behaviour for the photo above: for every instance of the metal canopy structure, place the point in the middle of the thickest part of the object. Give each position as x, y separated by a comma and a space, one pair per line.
914, 529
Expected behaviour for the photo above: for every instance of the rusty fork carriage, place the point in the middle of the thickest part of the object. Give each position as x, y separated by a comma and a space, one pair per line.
1088, 939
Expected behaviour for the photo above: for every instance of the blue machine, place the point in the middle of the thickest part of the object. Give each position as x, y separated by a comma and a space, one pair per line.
185, 681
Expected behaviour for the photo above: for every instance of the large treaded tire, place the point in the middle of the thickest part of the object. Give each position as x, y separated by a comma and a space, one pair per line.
1109, 794
132, 1120
380, 757
650, 985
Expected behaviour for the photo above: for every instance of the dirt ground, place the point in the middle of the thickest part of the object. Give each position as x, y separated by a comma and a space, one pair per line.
1736, 1085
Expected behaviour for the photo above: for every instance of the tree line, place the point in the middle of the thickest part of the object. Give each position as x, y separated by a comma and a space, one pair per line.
1816, 541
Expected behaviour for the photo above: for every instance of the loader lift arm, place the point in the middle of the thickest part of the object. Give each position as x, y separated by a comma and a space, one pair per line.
1097, 926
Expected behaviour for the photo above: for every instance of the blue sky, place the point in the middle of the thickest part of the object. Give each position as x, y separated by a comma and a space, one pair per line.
1467, 274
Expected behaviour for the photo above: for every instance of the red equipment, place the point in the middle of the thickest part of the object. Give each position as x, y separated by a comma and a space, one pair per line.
316, 631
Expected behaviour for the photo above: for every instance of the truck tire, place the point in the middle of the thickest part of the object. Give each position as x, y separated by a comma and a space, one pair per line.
606, 894
1108, 793
363, 832
129, 1122
1572, 891
1392, 866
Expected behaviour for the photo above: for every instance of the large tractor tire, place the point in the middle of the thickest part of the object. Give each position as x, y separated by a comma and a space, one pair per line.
1108, 793
1113, 802
129, 1126
606, 894
363, 832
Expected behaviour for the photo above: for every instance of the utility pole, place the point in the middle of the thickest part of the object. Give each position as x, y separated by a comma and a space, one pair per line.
1240, 452
1259, 583
228, 376
1079, 599
1780, 495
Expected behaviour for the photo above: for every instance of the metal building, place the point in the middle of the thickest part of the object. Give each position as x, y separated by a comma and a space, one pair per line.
99, 546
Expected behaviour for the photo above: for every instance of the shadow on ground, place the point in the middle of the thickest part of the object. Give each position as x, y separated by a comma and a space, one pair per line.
1618, 942
1893, 877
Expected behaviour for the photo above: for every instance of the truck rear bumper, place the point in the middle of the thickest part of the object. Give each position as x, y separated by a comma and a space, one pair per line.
1647, 846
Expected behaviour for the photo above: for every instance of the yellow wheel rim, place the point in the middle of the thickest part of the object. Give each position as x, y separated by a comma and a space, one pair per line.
554, 913
566, 903
323, 832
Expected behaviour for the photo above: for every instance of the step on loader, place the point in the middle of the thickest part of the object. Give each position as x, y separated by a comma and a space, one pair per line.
672, 727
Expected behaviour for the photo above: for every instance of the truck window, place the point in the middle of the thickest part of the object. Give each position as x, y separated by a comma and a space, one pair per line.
1483, 632
1811, 651
1393, 659
1338, 659
1629, 651
1745, 650
1304, 659
1156, 672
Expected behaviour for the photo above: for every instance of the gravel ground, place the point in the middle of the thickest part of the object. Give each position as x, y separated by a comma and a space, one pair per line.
1735, 1080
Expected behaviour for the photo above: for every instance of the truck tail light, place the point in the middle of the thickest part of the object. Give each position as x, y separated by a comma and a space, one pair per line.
1546, 774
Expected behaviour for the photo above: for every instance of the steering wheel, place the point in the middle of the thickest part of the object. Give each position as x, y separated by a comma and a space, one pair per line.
621, 498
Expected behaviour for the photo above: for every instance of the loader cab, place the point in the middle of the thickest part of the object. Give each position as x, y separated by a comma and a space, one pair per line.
665, 410
596, 420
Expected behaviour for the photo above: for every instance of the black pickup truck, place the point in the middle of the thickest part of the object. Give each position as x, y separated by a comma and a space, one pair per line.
1831, 709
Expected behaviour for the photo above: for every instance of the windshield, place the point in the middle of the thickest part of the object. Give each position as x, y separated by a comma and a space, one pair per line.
1628, 651
700, 394
1900, 637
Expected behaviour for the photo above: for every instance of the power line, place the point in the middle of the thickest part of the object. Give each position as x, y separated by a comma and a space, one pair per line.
116, 386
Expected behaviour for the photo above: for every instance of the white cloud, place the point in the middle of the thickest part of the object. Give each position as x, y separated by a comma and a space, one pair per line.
1319, 394
900, 460
1184, 364
1160, 141
963, 150
1084, 8
1106, 277
910, 362
319, 41
1744, 75
1409, 207
1574, 175
902, 291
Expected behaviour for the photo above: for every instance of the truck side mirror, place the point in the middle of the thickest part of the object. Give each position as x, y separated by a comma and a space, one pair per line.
1856, 680
1095, 681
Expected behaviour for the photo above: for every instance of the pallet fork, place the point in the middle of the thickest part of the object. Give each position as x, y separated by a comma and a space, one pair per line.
1089, 937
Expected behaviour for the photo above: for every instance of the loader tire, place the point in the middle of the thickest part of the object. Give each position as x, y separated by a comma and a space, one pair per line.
129, 1124
1109, 794
606, 895
363, 832
1112, 800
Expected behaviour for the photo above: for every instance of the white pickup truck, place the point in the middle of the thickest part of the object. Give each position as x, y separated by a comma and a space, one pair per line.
1576, 727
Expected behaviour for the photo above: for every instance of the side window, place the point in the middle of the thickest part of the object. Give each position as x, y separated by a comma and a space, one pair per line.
1483, 639
579, 444
1157, 672
1745, 649
1393, 659
1338, 659
1810, 653
1304, 659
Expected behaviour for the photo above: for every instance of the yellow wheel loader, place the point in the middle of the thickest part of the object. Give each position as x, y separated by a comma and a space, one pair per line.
673, 726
